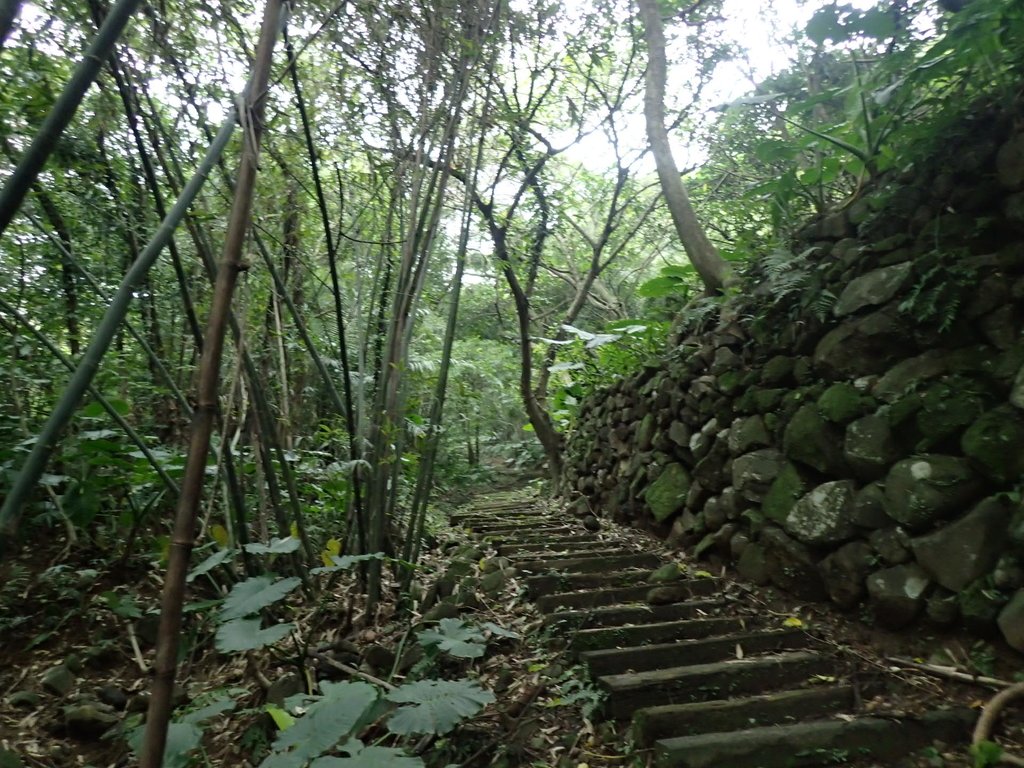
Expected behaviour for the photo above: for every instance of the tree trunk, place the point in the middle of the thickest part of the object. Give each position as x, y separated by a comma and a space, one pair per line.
183, 536
711, 267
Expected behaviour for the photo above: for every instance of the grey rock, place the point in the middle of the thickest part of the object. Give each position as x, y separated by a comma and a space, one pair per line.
844, 572
872, 289
666, 495
965, 550
996, 443
1008, 574
379, 658
592, 524
714, 513
791, 565
89, 720
924, 489
891, 544
868, 344
680, 434
813, 441
738, 544
58, 680
753, 473
495, 564
112, 695
942, 607
746, 434
494, 582
824, 516
753, 565
1010, 163
443, 610
870, 447
1017, 392
1011, 621
898, 594
910, 372
24, 700
666, 573
869, 507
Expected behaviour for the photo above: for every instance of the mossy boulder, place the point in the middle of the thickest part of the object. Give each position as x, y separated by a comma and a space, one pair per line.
924, 489
870, 446
843, 402
667, 494
909, 373
811, 440
1011, 621
898, 594
778, 370
767, 400
746, 434
824, 516
947, 408
995, 441
791, 564
754, 472
959, 553
787, 488
844, 572
872, 289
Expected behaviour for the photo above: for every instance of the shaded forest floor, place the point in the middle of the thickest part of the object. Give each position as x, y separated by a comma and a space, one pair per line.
76, 643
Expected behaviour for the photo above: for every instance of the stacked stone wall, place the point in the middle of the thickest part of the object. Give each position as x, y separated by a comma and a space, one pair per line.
870, 452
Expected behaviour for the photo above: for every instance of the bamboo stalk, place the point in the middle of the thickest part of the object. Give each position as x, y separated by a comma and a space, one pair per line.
81, 379
182, 539
32, 161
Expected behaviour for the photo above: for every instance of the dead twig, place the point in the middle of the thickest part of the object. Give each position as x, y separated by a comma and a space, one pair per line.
987, 722
352, 671
950, 672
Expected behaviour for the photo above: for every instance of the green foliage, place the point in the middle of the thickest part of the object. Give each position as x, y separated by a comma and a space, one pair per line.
330, 718
942, 281
435, 706
454, 637
255, 594
245, 635
986, 754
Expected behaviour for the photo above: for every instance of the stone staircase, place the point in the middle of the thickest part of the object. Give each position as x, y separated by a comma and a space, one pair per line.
703, 681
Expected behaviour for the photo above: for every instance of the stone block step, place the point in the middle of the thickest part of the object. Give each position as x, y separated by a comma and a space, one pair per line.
469, 518
783, 708
602, 564
615, 661
815, 743
540, 536
594, 598
551, 583
617, 615
646, 634
706, 682
559, 544
551, 530
547, 557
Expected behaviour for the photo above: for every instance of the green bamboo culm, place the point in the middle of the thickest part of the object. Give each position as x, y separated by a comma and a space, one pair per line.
35, 157
81, 379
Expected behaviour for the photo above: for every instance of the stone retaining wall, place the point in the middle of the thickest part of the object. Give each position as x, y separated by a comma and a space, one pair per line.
866, 449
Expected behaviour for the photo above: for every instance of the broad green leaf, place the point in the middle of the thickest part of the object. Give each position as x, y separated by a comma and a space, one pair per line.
182, 739
682, 271
246, 635
370, 757
276, 547
661, 286
454, 637
209, 563
343, 709
435, 706
986, 754
255, 594
218, 707
281, 718
345, 561
499, 631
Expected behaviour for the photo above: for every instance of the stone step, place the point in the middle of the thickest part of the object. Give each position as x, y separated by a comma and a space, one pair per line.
615, 661
595, 598
547, 557
539, 536
602, 564
470, 518
646, 634
706, 682
815, 743
617, 615
551, 583
786, 707
560, 544
553, 530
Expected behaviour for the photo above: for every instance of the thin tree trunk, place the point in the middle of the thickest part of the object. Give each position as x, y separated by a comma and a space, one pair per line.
32, 161
8, 14
710, 265
35, 464
182, 539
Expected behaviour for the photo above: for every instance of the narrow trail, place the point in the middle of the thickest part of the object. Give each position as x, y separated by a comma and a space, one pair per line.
706, 676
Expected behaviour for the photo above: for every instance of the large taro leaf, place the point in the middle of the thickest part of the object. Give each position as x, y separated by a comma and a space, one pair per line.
209, 563
276, 547
342, 709
371, 757
246, 635
255, 594
182, 739
435, 706
454, 637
